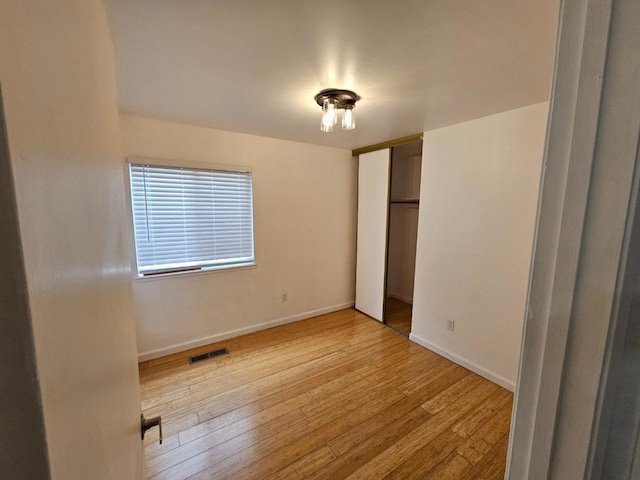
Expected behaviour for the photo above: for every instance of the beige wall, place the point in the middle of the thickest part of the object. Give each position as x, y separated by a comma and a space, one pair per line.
304, 214
57, 76
478, 205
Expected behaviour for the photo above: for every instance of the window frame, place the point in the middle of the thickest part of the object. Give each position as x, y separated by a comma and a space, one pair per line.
136, 276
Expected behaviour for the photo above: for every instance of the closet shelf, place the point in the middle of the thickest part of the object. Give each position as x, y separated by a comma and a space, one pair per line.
405, 200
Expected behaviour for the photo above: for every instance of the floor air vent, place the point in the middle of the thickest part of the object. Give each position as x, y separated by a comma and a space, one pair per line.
208, 355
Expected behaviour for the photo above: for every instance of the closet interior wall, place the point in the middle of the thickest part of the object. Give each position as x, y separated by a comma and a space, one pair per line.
406, 162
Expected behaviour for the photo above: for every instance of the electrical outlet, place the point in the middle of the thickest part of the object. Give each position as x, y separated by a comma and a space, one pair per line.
451, 325
284, 297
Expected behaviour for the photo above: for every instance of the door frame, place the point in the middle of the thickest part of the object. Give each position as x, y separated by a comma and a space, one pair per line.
583, 221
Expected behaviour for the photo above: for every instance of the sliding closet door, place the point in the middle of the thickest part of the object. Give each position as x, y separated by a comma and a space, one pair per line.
373, 209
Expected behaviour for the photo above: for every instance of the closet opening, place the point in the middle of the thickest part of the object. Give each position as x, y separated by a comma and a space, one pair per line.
404, 203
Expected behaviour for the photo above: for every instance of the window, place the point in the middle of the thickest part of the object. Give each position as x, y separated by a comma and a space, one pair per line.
188, 219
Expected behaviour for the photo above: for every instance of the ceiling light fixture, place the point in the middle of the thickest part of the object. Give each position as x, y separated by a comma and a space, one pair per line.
331, 100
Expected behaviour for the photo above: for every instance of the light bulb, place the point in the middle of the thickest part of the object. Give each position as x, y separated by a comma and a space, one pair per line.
329, 115
348, 118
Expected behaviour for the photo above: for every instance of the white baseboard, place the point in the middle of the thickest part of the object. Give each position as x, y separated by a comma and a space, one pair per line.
495, 378
180, 347
402, 298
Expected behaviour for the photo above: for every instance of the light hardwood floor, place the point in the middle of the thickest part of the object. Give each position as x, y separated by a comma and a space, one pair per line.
398, 314
332, 397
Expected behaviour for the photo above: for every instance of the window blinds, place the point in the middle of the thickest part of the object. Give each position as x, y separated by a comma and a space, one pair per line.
188, 219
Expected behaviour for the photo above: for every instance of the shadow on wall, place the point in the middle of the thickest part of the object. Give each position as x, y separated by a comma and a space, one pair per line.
22, 436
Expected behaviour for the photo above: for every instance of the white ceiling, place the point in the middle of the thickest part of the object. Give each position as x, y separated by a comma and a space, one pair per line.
254, 66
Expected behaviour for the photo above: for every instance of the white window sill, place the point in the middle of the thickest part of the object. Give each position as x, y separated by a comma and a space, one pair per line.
204, 271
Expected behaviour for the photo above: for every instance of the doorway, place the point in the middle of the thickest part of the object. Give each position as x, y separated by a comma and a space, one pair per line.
404, 203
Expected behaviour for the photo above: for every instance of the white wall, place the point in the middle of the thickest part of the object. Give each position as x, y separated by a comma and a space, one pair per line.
57, 76
478, 205
305, 216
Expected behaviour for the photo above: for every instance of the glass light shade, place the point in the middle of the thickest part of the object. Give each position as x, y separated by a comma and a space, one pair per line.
348, 119
329, 115
324, 127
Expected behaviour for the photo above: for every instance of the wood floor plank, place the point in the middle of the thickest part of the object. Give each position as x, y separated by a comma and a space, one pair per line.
250, 390
214, 450
427, 457
399, 452
305, 466
171, 425
152, 448
372, 446
251, 414
457, 390
263, 374
335, 396
323, 432
303, 437
490, 467
478, 444
398, 314
360, 434
270, 395
291, 378
501, 400
454, 467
